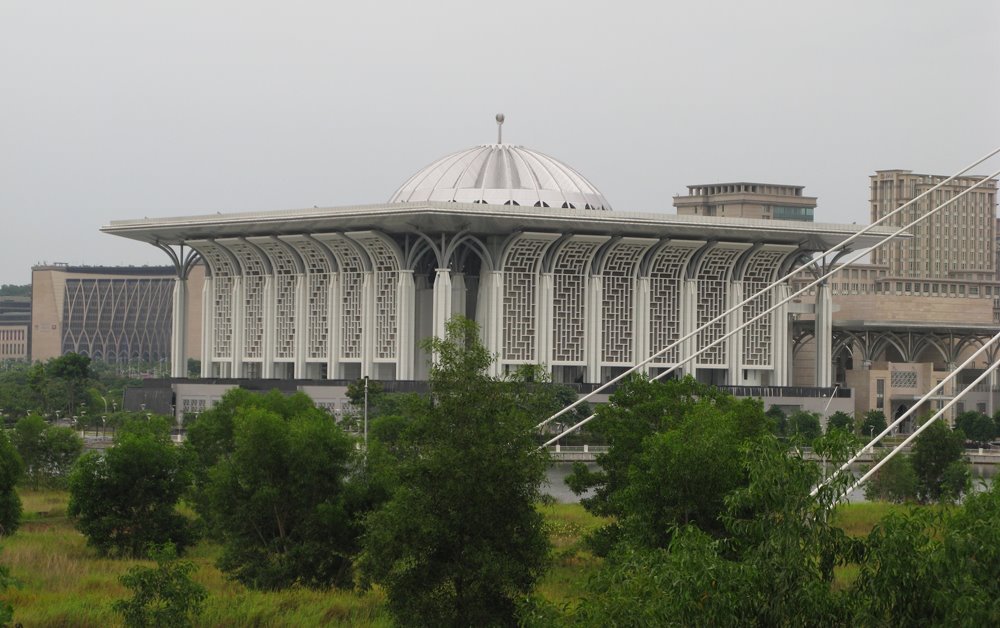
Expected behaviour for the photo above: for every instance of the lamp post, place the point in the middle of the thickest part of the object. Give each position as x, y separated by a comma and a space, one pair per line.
366, 415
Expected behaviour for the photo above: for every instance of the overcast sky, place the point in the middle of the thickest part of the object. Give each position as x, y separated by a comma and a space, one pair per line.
113, 110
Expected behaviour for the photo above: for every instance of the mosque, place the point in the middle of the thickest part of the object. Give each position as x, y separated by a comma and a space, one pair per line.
508, 236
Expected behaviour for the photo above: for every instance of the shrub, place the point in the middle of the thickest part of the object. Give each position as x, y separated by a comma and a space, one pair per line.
163, 595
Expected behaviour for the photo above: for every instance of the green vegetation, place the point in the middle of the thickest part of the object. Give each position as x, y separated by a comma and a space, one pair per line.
977, 427
840, 421
11, 470
675, 452
48, 452
282, 504
125, 499
163, 595
460, 540
14, 290
63, 582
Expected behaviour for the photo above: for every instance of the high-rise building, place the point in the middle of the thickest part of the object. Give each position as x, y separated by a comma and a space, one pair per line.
766, 201
957, 243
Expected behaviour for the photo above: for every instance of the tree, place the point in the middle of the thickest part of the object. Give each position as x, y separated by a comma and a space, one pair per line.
804, 425
896, 481
840, 420
935, 567
774, 567
212, 436
282, 502
73, 370
125, 500
164, 595
873, 423
647, 480
939, 462
48, 452
460, 539
977, 427
778, 418
11, 469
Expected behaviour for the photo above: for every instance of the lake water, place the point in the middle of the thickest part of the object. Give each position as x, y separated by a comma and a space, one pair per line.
982, 478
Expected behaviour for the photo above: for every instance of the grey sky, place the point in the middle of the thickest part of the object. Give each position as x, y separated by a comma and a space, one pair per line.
128, 109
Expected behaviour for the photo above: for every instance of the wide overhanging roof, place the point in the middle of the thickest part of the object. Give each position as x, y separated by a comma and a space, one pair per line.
433, 217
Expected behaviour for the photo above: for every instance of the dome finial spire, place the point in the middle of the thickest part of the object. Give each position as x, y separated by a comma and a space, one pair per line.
499, 128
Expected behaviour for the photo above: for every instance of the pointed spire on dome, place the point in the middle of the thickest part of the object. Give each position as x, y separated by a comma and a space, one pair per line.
500, 128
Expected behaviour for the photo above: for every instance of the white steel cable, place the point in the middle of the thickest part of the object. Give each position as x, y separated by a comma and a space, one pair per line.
841, 245
858, 255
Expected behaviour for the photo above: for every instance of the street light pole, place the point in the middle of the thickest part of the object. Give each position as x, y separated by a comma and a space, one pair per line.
366, 414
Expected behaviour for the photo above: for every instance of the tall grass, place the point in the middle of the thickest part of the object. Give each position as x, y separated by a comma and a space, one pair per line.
65, 583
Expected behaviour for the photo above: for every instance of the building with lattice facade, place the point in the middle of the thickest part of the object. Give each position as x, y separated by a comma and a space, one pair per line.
118, 315
505, 235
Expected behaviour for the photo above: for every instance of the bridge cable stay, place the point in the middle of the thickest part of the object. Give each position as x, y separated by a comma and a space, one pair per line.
816, 260
858, 255
929, 395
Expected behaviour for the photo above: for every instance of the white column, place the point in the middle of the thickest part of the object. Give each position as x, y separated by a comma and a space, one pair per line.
269, 306
335, 305
543, 320
594, 315
734, 346
239, 317
640, 316
178, 330
301, 325
207, 326
780, 349
406, 320
368, 330
689, 323
824, 335
489, 315
442, 302
458, 294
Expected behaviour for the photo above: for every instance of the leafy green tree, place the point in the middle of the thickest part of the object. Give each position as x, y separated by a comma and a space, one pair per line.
939, 462
840, 420
282, 502
873, 423
6, 608
896, 481
460, 539
804, 426
774, 567
164, 595
977, 427
48, 452
125, 500
778, 418
15, 290
929, 567
212, 436
73, 370
649, 481
11, 469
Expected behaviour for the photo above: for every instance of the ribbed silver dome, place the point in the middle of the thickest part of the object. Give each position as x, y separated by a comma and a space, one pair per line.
501, 174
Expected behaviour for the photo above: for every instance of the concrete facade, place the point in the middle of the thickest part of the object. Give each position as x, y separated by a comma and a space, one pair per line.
115, 314
763, 201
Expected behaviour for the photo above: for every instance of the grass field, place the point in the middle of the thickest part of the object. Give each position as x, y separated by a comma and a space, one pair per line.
64, 583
